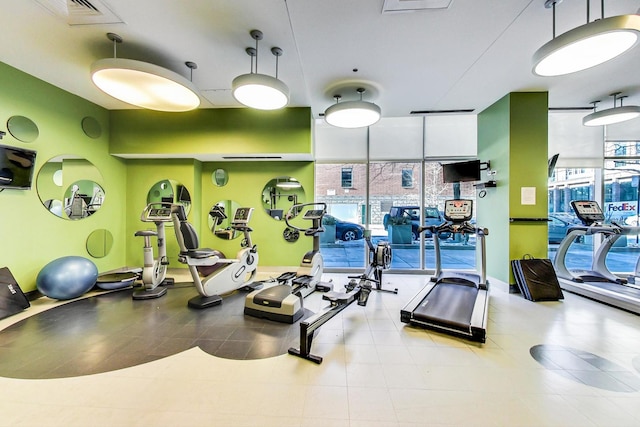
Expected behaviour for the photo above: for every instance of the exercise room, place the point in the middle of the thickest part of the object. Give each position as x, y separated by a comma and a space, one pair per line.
292, 213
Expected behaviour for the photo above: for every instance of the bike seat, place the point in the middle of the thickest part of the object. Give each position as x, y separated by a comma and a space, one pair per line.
201, 253
339, 297
146, 233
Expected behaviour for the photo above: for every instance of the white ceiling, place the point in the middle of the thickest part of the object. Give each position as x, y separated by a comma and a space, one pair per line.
464, 57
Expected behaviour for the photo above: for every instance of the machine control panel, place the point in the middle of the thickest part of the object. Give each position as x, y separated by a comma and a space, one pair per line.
156, 212
313, 214
458, 210
242, 216
587, 211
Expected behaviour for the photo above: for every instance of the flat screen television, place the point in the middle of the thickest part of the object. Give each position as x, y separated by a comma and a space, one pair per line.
16, 167
461, 171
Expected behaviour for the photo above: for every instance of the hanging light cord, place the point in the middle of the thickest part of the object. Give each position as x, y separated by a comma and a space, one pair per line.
256, 54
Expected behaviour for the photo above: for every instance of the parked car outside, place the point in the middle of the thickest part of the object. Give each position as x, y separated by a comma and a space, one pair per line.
559, 225
345, 230
432, 216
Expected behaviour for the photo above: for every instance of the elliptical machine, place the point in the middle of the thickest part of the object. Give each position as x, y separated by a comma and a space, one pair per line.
154, 271
229, 274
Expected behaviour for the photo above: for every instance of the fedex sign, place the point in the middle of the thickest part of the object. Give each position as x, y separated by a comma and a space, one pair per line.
621, 207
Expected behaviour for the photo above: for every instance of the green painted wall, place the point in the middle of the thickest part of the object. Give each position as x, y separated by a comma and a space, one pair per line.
31, 235
211, 131
512, 135
246, 182
238, 131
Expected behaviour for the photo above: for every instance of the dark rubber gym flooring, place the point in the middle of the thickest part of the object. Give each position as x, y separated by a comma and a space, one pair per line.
111, 331
586, 368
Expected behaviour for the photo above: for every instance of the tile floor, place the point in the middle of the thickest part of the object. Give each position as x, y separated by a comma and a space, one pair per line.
376, 372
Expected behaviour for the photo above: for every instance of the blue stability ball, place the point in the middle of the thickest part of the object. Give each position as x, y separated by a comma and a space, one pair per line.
67, 277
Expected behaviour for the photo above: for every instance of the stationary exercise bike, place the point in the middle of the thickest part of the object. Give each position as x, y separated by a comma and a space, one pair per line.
154, 271
283, 302
229, 274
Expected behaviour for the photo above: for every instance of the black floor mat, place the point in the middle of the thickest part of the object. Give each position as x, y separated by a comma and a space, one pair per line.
111, 331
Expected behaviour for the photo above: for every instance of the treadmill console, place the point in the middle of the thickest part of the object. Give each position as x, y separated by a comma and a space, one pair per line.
458, 211
242, 216
587, 211
312, 214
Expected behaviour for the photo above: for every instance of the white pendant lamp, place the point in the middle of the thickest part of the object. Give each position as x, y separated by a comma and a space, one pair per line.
260, 91
143, 84
352, 114
586, 46
612, 115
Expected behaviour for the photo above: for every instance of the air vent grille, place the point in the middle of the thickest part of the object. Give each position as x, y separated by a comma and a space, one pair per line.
400, 6
252, 157
81, 12
461, 111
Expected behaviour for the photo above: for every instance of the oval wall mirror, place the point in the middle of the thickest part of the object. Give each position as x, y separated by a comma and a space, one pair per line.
220, 217
170, 191
280, 194
220, 177
70, 187
99, 243
22, 128
91, 127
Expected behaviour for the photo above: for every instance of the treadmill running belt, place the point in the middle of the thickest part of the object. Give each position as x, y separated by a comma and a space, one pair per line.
448, 304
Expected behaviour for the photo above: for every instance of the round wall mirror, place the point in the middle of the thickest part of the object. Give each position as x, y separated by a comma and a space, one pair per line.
22, 128
220, 218
170, 191
220, 177
280, 194
70, 187
91, 127
99, 243
82, 199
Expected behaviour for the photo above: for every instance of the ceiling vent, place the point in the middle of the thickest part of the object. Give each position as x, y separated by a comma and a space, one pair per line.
458, 111
398, 6
81, 12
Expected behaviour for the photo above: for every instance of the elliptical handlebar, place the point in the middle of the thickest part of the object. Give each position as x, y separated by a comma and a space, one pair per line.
448, 226
315, 215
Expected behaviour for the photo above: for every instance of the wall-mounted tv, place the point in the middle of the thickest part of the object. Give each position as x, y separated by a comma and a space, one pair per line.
461, 171
16, 167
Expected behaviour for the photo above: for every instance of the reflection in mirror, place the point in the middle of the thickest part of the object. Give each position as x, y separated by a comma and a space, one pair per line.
291, 234
170, 191
220, 217
99, 243
70, 187
220, 177
280, 194
91, 127
82, 199
22, 128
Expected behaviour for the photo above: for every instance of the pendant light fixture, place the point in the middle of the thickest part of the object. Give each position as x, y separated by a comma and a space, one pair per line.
352, 114
586, 46
143, 84
260, 91
611, 115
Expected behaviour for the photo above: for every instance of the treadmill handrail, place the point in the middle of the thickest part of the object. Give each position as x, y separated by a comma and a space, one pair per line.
596, 229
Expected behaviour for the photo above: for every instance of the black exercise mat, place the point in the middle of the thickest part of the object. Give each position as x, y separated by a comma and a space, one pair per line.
12, 300
537, 279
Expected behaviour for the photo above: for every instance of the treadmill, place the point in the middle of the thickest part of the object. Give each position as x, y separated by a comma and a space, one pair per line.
599, 283
454, 302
